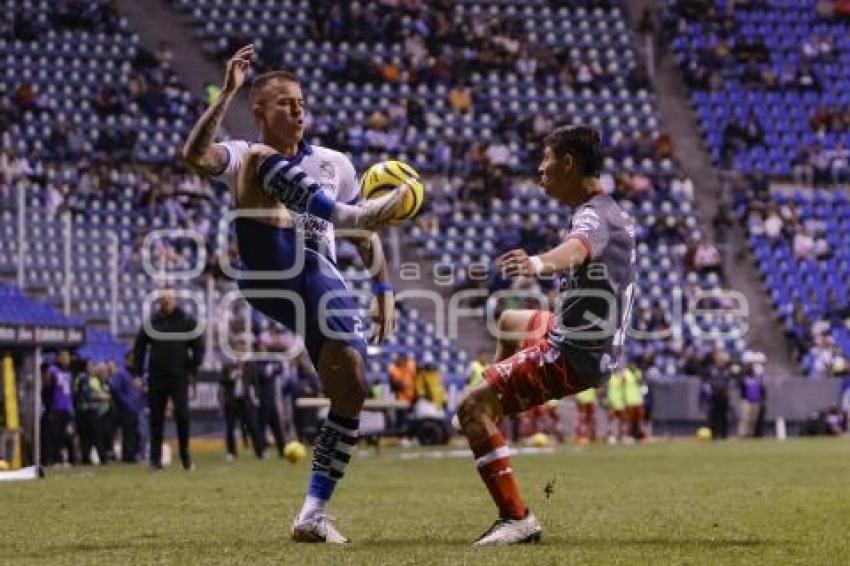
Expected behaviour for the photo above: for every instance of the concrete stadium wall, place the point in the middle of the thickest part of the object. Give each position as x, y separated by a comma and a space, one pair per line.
793, 399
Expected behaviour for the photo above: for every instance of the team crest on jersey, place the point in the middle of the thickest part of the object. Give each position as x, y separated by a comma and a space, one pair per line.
327, 171
586, 220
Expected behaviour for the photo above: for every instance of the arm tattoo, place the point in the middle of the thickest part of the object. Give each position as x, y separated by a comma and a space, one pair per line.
202, 135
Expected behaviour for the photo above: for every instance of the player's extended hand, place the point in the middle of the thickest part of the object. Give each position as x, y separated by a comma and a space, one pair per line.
237, 68
383, 316
515, 263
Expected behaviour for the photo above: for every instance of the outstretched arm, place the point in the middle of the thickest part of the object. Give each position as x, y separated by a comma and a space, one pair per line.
199, 151
586, 240
568, 255
285, 181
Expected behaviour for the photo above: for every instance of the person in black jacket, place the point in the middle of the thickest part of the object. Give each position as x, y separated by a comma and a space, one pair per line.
173, 354
238, 398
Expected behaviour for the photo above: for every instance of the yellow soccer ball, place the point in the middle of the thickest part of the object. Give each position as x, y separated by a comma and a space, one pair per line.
385, 176
540, 440
704, 433
294, 452
4, 465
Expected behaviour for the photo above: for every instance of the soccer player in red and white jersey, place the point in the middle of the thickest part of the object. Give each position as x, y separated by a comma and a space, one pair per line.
566, 352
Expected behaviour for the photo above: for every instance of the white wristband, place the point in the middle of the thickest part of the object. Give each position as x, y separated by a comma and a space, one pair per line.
536, 264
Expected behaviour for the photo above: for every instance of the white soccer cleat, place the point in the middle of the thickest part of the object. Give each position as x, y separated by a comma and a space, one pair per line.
317, 529
511, 531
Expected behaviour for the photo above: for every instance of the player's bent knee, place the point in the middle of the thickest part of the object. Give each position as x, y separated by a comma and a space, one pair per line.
473, 407
506, 320
465, 413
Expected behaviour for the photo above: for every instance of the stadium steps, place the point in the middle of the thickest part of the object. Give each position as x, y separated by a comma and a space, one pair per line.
157, 23
679, 119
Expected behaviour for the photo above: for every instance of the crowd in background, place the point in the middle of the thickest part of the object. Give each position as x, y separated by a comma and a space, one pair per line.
149, 89
728, 55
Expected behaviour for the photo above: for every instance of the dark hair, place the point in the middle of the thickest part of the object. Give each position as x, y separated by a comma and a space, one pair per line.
262, 80
582, 142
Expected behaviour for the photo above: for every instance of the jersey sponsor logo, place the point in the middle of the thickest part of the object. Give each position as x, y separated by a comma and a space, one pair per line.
586, 220
314, 228
327, 171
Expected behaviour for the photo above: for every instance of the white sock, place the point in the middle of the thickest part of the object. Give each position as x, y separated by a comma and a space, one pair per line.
345, 215
312, 506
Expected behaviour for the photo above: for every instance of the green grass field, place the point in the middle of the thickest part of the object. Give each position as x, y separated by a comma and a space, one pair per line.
669, 503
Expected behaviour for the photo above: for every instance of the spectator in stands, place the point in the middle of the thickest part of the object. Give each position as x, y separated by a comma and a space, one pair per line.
738, 136
797, 330
23, 27
401, 375
705, 258
835, 311
109, 101
823, 355
27, 98
55, 199
804, 244
842, 9
722, 222
839, 164
817, 49
173, 357
57, 425
825, 9
806, 79
662, 146
773, 225
821, 250
128, 398
682, 186
820, 164
460, 98
802, 167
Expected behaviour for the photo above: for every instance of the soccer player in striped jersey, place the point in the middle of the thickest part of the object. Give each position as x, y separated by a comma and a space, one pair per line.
300, 191
565, 353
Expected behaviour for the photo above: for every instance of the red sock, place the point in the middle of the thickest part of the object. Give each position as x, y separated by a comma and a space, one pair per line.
494, 465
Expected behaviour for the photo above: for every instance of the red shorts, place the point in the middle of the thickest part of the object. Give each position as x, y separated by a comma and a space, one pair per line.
634, 414
535, 374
